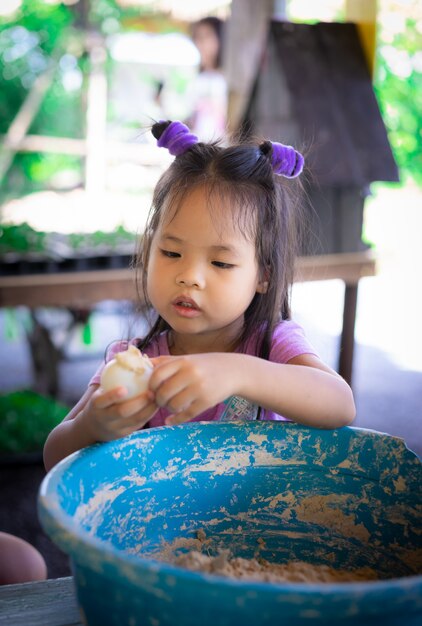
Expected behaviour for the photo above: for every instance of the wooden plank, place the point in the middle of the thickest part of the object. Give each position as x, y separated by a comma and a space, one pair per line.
55, 145
349, 267
45, 603
83, 289
145, 154
73, 289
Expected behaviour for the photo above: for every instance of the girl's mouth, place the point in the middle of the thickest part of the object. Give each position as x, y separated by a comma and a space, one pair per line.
186, 307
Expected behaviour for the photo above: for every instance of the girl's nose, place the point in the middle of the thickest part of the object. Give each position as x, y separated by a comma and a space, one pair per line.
190, 277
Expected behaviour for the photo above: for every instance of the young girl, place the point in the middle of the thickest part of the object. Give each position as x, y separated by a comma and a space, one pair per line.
217, 263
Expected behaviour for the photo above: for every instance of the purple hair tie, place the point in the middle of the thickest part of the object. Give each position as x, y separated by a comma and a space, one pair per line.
177, 138
286, 161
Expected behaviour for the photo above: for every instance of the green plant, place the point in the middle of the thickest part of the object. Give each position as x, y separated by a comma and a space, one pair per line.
20, 238
31, 41
26, 419
398, 86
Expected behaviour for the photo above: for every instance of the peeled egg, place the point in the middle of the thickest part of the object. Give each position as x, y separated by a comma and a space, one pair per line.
130, 369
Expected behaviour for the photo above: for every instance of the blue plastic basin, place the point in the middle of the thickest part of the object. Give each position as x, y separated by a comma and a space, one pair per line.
347, 498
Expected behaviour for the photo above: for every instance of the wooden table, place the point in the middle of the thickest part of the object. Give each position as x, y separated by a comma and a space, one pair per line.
46, 603
83, 289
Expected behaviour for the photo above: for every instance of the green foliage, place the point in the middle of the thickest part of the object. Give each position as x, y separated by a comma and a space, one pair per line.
29, 44
106, 14
34, 172
20, 238
398, 86
111, 240
26, 43
26, 419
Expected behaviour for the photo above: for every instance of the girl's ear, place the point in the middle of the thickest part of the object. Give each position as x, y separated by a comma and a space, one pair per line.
262, 287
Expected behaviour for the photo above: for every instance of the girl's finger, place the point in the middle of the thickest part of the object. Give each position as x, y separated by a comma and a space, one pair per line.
126, 425
187, 415
162, 372
181, 401
170, 390
179, 418
146, 416
107, 399
133, 406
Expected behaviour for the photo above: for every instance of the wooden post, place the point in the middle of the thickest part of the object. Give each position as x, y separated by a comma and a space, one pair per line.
96, 118
347, 340
244, 46
364, 14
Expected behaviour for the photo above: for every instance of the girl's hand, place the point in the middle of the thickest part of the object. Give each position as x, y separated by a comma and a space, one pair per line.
188, 385
107, 416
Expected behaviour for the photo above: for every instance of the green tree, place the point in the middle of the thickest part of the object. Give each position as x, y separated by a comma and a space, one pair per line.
398, 86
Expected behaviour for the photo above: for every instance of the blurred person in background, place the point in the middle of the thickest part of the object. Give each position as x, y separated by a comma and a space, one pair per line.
208, 93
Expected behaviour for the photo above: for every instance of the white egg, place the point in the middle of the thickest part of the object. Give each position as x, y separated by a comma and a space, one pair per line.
130, 369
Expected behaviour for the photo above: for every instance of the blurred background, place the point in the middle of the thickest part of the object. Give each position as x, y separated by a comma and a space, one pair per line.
81, 82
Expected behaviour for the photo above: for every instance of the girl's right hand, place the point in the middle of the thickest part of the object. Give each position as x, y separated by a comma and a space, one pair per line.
107, 416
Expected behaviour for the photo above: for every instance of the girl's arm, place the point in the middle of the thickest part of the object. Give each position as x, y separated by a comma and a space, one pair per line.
69, 435
97, 417
304, 390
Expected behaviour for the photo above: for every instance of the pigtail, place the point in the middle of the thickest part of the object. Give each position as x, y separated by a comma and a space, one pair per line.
285, 160
175, 136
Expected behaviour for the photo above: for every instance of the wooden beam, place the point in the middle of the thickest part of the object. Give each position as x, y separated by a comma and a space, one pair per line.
23, 119
145, 154
55, 145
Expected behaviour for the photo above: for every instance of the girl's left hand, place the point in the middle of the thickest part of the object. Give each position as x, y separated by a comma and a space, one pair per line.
188, 385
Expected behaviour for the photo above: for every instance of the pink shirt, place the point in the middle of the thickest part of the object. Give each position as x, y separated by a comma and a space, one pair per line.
288, 342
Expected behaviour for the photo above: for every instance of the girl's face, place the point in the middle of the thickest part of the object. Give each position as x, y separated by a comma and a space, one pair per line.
202, 274
206, 40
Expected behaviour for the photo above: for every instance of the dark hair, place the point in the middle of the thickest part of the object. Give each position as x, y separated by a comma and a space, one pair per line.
260, 206
217, 25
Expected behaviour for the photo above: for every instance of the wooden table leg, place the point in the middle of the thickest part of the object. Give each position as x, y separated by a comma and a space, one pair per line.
45, 357
347, 343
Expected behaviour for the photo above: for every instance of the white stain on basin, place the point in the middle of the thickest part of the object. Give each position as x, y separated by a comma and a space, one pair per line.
91, 513
257, 438
223, 462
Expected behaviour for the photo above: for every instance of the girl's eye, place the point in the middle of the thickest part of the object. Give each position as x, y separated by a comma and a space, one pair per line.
224, 266
169, 254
